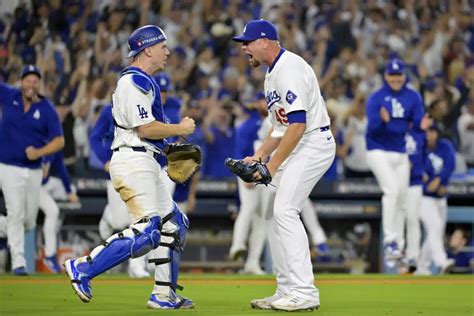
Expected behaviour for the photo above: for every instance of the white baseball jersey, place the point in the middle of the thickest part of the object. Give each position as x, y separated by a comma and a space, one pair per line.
132, 107
291, 85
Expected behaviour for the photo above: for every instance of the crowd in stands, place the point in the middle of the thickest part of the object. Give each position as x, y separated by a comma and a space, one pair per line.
81, 46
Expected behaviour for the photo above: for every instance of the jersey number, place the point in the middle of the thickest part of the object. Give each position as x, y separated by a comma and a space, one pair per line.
142, 112
281, 116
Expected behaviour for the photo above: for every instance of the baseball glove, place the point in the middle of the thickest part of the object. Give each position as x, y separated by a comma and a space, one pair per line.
184, 160
246, 171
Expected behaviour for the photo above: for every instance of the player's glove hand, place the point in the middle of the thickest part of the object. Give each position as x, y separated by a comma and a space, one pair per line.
183, 161
246, 171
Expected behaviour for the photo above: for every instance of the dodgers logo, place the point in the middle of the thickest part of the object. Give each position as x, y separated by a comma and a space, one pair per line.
37, 114
436, 162
397, 109
290, 97
142, 112
410, 144
272, 97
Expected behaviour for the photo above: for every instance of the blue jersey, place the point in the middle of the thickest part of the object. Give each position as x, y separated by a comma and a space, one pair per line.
439, 162
58, 168
18, 129
404, 106
222, 148
198, 138
102, 135
181, 191
172, 107
246, 135
416, 145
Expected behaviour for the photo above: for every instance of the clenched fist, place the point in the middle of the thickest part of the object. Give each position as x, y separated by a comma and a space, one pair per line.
187, 126
32, 153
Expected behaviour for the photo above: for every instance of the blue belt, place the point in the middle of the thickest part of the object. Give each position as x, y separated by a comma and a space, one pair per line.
323, 129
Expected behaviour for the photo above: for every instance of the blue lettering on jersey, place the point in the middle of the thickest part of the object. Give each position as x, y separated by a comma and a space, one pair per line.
142, 112
290, 97
272, 97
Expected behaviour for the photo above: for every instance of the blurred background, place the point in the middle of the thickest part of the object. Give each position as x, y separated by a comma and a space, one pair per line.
80, 47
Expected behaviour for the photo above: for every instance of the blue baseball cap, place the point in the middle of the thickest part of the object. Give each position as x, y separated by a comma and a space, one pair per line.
144, 37
30, 69
395, 67
164, 81
256, 29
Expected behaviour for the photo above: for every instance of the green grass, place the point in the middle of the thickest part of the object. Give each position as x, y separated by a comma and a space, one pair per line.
230, 295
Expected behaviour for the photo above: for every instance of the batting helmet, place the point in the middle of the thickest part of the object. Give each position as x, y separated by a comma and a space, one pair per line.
144, 37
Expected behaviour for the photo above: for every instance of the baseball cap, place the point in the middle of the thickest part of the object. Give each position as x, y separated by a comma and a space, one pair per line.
256, 29
30, 69
144, 37
395, 67
164, 81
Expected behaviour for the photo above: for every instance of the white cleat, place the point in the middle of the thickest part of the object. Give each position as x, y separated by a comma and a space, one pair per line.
392, 252
175, 301
292, 303
447, 266
264, 303
252, 271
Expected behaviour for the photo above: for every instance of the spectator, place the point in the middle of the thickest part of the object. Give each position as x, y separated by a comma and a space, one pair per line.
466, 132
220, 144
460, 248
354, 149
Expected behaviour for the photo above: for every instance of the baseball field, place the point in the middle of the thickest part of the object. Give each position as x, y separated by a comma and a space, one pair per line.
230, 295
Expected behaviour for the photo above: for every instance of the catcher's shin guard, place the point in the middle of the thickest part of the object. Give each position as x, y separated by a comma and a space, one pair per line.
135, 241
174, 228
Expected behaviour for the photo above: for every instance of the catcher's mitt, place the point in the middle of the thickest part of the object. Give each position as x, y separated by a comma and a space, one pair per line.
183, 161
246, 171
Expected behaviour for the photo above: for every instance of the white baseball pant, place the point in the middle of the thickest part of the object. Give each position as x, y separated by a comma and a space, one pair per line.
287, 237
21, 189
392, 171
3, 226
411, 221
433, 215
51, 221
138, 178
115, 216
311, 222
250, 223
50, 192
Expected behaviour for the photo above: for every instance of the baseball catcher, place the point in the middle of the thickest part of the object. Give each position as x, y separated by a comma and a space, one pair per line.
183, 161
246, 171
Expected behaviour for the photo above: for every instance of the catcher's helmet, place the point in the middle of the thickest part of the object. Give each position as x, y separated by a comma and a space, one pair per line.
144, 37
